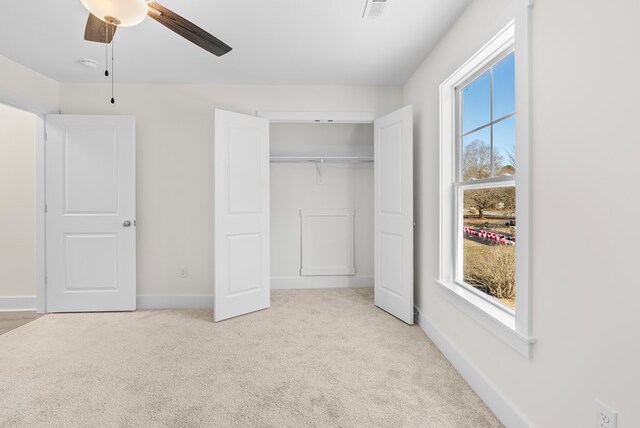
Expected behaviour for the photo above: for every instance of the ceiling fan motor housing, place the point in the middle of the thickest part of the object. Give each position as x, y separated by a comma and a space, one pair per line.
124, 13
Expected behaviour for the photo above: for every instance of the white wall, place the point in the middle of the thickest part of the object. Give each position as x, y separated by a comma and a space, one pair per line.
585, 147
26, 89
30, 91
322, 139
17, 202
174, 161
294, 187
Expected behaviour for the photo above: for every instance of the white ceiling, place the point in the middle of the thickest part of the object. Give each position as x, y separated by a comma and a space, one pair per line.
318, 42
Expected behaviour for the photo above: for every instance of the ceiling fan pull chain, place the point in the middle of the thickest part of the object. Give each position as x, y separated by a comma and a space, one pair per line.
106, 49
113, 45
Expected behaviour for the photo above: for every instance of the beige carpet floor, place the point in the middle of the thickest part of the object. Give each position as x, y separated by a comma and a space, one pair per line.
317, 358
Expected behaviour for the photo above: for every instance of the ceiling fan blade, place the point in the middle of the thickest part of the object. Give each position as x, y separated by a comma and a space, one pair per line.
186, 29
99, 31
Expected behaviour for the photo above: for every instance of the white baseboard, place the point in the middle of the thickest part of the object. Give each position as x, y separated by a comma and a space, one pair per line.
500, 405
322, 282
16, 304
206, 301
174, 302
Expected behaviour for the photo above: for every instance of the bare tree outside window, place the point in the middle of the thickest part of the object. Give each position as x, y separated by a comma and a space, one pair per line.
476, 160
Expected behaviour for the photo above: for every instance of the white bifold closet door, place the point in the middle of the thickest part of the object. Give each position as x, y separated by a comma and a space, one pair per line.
393, 204
241, 215
242, 258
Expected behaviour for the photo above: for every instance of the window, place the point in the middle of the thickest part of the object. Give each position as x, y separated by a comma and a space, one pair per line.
484, 187
485, 183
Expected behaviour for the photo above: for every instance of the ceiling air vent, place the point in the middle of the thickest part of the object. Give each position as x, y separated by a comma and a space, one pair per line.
375, 8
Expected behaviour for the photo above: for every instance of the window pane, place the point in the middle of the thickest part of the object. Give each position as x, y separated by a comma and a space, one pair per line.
489, 242
476, 103
504, 147
476, 154
504, 89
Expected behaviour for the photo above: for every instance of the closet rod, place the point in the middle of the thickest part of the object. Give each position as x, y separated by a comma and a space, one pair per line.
320, 159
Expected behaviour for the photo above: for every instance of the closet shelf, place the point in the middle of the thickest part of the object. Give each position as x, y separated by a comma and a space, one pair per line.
320, 159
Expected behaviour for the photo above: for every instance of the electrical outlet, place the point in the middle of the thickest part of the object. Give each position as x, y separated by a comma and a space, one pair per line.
605, 417
183, 272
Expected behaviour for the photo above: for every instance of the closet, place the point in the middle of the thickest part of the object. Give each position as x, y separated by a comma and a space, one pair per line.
321, 194
312, 200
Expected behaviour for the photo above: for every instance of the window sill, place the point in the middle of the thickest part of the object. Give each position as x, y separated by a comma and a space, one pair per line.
499, 322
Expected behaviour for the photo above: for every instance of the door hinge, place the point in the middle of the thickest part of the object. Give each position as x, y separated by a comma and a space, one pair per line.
46, 280
46, 208
46, 136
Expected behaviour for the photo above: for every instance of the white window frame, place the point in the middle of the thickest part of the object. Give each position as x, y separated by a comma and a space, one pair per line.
460, 185
512, 326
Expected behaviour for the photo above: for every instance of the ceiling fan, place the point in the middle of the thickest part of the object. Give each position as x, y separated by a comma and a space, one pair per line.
105, 16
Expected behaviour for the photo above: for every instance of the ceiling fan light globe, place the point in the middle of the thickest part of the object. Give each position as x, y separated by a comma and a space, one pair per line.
127, 12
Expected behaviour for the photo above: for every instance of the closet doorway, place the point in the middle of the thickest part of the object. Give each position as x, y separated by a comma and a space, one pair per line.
353, 219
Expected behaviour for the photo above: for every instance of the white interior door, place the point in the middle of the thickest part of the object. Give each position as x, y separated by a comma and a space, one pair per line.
90, 213
241, 214
393, 202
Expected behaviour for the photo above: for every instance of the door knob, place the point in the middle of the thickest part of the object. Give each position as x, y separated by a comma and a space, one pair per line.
127, 223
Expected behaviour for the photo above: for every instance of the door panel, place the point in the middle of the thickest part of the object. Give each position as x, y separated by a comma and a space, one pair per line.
91, 261
90, 168
391, 169
90, 193
244, 277
241, 214
391, 253
393, 204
